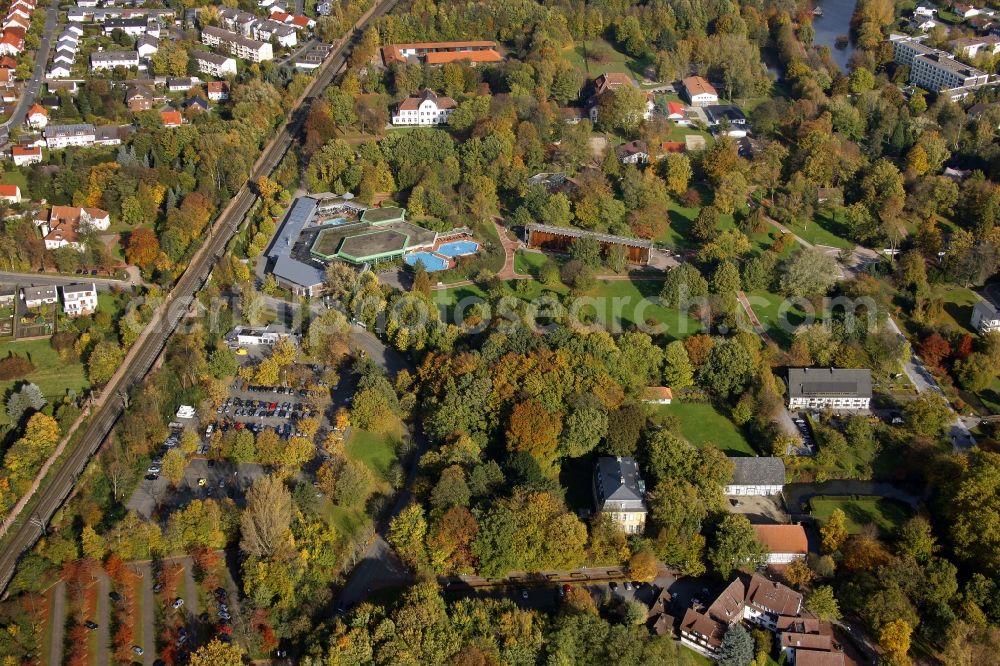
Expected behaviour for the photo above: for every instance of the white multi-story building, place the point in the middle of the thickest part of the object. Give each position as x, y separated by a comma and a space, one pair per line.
237, 45
63, 136
214, 64
133, 27
829, 388
79, 299
985, 318
699, 91
936, 70
25, 156
619, 492
101, 60
427, 109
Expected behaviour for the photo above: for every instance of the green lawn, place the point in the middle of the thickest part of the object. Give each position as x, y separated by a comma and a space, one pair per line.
826, 228
529, 263
779, 319
958, 304
616, 304
51, 374
347, 522
681, 220
16, 178
887, 514
701, 424
376, 451
688, 657
596, 56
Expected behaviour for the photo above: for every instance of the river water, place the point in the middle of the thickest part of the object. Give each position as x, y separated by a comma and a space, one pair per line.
835, 21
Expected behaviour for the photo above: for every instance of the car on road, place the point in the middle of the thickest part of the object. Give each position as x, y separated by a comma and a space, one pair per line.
178, 602
90, 624
158, 588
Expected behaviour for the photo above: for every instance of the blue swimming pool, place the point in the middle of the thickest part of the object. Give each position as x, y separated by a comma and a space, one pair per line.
432, 262
458, 248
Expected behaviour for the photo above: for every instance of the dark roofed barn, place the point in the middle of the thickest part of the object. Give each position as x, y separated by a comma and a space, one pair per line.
756, 476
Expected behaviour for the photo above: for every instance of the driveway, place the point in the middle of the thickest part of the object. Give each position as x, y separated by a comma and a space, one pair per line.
961, 438
103, 618
148, 614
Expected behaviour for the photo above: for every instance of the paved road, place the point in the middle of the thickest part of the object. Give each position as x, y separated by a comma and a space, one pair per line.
148, 614
103, 618
58, 622
39, 279
190, 608
31, 90
924, 381
151, 343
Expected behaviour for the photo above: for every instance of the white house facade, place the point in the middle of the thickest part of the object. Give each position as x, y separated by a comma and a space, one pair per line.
427, 109
829, 388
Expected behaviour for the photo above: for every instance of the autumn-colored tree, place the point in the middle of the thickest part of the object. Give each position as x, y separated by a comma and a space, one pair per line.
934, 349
798, 573
579, 600
534, 429
964, 347
449, 541
698, 348
217, 653
834, 532
143, 248
643, 566
864, 553
895, 638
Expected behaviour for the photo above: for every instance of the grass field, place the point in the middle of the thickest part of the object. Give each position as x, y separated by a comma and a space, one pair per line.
958, 304
528, 263
826, 228
347, 522
51, 374
376, 451
887, 514
681, 219
615, 304
596, 56
778, 318
16, 178
701, 424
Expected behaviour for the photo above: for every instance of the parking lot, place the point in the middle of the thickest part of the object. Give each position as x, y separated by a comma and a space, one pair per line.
760, 509
202, 479
808, 446
257, 408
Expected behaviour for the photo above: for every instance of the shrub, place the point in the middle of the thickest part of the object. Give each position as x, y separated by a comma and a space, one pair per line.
15, 367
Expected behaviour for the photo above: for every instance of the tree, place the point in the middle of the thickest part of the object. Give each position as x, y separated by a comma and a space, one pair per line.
833, 533
583, 430
682, 285
734, 546
622, 109
173, 466
170, 59
706, 225
928, 414
677, 172
421, 280
643, 566
678, 372
798, 573
217, 653
808, 272
975, 372
934, 349
895, 638
823, 604
28, 397
406, 534
915, 539
534, 429
266, 520
586, 250
974, 512
728, 368
737, 647
104, 361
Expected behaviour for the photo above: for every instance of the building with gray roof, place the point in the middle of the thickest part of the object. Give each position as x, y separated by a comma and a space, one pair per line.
619, 491
829, 388
756, 476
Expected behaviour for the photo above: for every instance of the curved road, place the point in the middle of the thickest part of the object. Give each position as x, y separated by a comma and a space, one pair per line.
153, 339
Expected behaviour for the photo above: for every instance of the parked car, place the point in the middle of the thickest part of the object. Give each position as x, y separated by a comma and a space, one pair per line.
90, 624
115, 596
178, 602
137, 650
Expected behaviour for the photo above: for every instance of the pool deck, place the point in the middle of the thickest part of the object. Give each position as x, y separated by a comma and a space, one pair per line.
449, 261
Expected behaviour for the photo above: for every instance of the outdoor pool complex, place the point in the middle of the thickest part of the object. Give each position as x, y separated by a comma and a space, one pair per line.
432, 262
458, 248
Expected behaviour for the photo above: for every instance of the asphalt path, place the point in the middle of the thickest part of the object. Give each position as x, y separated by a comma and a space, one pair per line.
30, 91
41, 279
152, 342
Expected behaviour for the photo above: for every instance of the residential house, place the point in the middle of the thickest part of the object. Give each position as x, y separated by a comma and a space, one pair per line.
37, 117
658, 395
784, 543
64, 56
619, 491
59, 71
571, 115
133, 27
248, 336
633, 152
218, 91
110, 135
79, 299
971, 47
102, 60
699, 91
829, 388
324, 8
181, 84
61, 225
985, 317
965, 11
426, 109
139, 98
237, 20
147, 45
7, 296
282, 33
237, 45
214, 64
196, 104
924, 10
25, 156
63, 136
609, 82
726, 118
171, 118
676, 111
440, 53
10, 193
11, 44
756, 476
34, 297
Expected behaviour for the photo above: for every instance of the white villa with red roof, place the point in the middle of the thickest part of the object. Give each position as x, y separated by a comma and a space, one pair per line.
427, 109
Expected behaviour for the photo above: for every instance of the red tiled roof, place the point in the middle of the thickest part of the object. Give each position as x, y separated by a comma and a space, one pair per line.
170, 118
6, 62
280, 16
675, 107
11, 39
9, 191
610, 81
443, 57
672, 147
18, 151
300, 21
696, 85
658, 393
783, 538
818, 658
37, 108
392, 52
